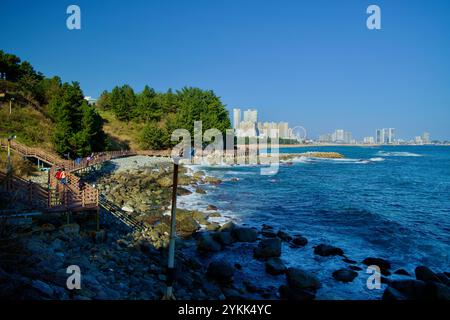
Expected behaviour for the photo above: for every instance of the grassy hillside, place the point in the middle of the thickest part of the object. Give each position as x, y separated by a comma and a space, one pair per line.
121, 135
30, 125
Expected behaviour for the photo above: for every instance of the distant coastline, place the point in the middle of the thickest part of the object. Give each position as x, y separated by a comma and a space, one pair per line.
349, 145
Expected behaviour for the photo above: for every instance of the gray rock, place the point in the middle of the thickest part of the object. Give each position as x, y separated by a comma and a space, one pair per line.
383, 264
229, 226
224, 238
299, 241
345, 275
300, 279
244, 234
402, 272
268, 248
268, 233
206, 243
325, 250
200, 190
411, 289
437, 291
444, 279
284, 236
425, 274
392, 294
220, 270
275, 266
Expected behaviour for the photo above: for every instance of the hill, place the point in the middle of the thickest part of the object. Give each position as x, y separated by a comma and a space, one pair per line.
54, 115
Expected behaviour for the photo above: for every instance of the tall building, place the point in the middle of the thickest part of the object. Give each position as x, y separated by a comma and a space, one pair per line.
426, 137
369, 140
236, 118
251, 115
339, 135
385, 136
379, 136
390, 137
283, 129
326, 138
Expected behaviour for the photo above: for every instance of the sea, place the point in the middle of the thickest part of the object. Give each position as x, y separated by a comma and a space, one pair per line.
391, 202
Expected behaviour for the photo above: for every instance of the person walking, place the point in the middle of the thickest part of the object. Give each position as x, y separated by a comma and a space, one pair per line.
63, 177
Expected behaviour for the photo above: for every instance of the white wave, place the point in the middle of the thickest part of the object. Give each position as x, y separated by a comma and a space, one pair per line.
240, 172
398, 154
378, 159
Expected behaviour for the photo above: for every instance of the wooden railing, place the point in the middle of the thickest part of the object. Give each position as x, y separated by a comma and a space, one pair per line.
69, 195
25, 191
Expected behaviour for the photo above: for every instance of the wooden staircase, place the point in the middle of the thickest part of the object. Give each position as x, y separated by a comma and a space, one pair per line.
68, 197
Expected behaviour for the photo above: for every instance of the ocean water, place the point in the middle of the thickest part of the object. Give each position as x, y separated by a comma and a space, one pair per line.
387, 202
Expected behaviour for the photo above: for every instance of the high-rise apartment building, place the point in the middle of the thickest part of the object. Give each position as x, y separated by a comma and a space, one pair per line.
385, 136
426, 137
251, 115
236, 118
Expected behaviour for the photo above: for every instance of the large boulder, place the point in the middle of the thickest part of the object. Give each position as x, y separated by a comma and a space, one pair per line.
299, 241
212, 180
411, 289
284, 236
275, 266
244, 234
392, 294
229, 226
200, 190
220, 270
325, 250
345, 275
437, 291
383, 264
206, 243
224, 238
301, 279
268, 248
183, 191
201, 217
198, 175
187, 225
425, 274
444, 279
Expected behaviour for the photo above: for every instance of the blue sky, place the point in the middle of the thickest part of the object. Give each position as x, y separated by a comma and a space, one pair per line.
312, 63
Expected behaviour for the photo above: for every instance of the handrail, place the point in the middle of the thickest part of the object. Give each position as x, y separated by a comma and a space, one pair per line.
70, 194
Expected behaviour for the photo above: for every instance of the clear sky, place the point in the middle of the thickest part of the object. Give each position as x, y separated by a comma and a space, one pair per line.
312, 63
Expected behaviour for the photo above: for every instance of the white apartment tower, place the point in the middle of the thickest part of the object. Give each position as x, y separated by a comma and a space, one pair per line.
236, 118
251, 115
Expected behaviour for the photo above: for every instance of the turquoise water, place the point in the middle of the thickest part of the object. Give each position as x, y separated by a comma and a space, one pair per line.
388, 202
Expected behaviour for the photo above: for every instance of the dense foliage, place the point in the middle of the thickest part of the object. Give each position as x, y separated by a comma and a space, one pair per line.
77, 127
162, 113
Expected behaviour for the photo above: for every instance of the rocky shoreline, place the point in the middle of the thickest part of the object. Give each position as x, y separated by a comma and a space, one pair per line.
118, 263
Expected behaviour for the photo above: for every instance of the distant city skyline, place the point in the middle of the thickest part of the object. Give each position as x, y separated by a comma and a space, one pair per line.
314, 63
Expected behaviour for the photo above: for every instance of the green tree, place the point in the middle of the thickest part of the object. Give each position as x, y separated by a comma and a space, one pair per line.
154, 137
148, 108
104, 101
123, 102
195, 104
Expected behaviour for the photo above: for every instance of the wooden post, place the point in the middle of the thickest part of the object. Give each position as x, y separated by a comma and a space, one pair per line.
171, 261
